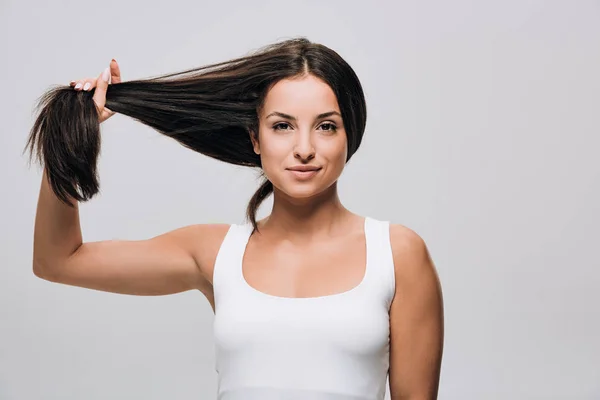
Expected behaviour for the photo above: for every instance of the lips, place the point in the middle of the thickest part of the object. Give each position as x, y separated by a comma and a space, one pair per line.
304, 168
304, 172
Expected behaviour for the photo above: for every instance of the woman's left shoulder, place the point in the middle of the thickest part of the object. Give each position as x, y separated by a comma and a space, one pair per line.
401, 236
408, 247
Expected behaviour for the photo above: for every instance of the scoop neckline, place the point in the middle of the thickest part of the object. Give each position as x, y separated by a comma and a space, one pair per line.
248, 232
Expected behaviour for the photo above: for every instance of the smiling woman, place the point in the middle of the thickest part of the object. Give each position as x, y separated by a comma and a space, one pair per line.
311, 302
317, 140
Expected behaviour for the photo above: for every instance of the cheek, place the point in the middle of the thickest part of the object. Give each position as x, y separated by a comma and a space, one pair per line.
273, 155
274, 151
337, 152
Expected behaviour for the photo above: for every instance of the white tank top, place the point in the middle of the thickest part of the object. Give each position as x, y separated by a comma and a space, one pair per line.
333, 347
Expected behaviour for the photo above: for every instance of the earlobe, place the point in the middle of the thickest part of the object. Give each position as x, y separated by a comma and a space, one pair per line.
255, 145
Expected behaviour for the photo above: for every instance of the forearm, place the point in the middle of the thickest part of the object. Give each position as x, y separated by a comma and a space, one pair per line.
57, 229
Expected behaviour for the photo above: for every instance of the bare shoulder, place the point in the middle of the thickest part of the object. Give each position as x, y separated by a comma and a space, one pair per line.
204, 242
412, 260
406, 243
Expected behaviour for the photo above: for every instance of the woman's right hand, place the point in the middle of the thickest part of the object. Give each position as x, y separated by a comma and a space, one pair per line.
112, 74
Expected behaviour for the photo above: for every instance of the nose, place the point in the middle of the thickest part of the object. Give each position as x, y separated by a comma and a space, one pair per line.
304, 149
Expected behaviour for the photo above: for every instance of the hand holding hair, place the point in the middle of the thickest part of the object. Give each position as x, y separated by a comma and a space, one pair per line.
111, 74
65, 137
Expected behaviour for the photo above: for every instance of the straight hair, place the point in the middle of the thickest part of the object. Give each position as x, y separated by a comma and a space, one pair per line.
211, 110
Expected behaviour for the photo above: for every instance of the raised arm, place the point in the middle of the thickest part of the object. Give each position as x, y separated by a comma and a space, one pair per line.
173, 262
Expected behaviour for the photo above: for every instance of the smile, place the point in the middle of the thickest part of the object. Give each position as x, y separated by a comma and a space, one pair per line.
304, 175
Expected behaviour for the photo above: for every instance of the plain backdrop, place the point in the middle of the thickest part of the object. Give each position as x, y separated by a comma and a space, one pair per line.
482, 136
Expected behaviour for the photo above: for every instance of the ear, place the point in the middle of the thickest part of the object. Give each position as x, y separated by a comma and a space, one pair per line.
254, 139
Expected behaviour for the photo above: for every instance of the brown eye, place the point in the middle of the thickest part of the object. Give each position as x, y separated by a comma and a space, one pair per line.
330, 127
278, 126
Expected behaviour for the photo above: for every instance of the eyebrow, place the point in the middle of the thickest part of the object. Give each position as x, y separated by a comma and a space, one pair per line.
286, 116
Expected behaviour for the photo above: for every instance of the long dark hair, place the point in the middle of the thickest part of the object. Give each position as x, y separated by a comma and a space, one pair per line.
211, 109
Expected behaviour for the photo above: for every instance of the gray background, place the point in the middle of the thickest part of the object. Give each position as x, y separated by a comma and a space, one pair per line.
482, 136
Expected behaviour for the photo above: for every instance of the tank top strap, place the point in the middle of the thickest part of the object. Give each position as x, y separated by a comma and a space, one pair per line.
381, 261
226, 273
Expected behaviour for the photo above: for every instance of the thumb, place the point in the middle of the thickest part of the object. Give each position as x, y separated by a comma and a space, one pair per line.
100, 91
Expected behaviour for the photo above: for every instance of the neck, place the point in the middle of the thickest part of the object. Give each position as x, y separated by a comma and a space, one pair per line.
317, 216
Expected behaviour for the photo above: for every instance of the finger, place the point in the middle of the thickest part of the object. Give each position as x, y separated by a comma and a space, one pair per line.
84, 84
115, 72
78, 84
101, 85
89, 84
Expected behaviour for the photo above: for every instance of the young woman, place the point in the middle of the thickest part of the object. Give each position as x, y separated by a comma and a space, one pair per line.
311, 302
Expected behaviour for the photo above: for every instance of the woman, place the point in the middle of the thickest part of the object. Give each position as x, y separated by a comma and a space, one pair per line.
311, 302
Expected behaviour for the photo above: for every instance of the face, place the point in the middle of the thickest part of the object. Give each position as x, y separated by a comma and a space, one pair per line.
301, 139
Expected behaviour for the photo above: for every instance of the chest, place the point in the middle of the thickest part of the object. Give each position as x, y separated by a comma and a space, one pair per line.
318, 269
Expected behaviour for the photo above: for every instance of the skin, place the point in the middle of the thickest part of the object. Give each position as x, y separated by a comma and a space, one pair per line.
321, 242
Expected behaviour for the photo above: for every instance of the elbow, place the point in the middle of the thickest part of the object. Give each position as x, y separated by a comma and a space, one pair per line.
42, 271
38, 270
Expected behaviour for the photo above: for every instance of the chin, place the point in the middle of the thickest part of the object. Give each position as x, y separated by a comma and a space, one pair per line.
302, 191
299, 192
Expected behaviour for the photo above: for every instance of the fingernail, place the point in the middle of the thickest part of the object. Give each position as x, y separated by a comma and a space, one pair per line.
87, 86
106, 74
78, 86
